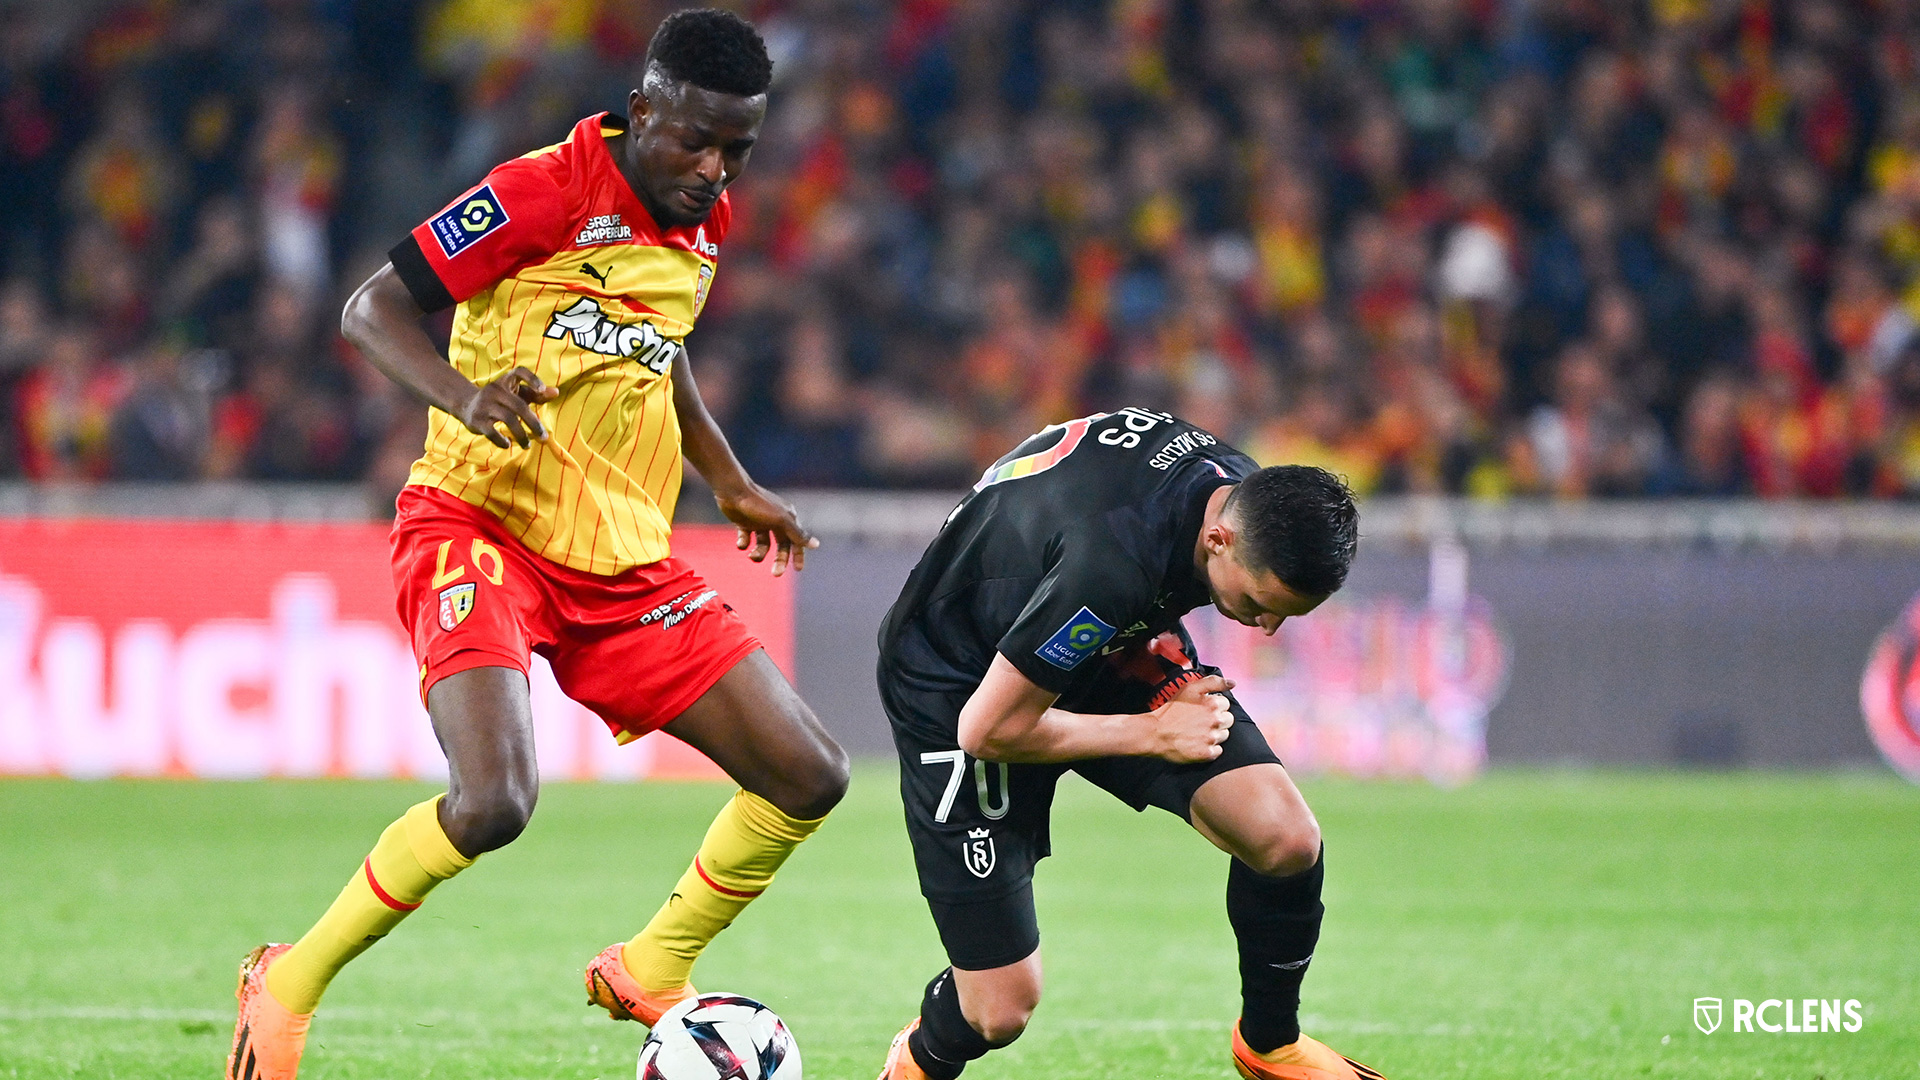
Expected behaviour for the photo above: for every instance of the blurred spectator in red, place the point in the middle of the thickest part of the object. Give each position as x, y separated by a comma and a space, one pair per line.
25, 324
1795, 429
66, 407
277, 426
126, 176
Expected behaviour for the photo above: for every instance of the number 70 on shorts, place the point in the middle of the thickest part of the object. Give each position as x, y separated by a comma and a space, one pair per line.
956, 760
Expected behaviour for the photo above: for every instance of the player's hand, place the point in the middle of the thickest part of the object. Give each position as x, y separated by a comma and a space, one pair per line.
507, 402
768, 522
1191, 727
1197, 687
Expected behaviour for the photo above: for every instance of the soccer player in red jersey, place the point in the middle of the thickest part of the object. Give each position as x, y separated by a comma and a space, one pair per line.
538, 520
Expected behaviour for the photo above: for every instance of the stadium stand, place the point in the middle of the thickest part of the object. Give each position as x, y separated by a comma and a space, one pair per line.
1442, 246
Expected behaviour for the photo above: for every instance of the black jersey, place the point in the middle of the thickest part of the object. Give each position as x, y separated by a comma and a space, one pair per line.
1077, 544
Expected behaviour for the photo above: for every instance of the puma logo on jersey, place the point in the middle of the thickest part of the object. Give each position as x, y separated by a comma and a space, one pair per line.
597, 275
593, 331
700, 244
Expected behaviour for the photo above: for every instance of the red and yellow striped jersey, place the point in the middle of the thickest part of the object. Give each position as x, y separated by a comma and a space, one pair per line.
557, 267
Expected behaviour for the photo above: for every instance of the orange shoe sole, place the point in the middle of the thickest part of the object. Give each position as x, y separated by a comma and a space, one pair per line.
267, 1039
609, 987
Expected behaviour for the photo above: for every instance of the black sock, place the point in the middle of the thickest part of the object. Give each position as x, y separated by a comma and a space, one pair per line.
944, 1042
1276, 922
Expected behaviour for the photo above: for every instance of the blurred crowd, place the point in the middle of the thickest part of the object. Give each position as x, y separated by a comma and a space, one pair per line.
1488, 247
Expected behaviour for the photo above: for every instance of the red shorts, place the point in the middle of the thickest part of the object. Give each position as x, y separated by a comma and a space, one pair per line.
637, 647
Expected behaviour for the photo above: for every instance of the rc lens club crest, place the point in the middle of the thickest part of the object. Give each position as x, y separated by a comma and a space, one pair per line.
456, 604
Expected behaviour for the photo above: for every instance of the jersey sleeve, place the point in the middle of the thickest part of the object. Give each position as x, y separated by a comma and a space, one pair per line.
514, 218
1092, 593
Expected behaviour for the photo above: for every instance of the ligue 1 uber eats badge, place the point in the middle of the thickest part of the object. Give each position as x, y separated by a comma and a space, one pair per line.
455, 605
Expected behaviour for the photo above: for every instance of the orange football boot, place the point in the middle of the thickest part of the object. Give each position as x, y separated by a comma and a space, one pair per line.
1305, 1059
610, 987
900, 1064
267, 1037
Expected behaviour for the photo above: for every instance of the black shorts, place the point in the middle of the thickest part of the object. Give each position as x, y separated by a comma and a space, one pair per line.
978, 828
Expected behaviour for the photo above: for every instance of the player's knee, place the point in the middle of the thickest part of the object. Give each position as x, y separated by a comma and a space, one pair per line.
829, 783
815, 786
481, 822
1285, 851
1003, 1021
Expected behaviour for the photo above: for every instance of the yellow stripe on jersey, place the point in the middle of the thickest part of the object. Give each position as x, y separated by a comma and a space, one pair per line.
599, 495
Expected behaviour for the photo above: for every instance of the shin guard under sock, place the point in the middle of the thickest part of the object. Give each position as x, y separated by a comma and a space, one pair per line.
1276, 922
412, 856
944, 1042
746, 843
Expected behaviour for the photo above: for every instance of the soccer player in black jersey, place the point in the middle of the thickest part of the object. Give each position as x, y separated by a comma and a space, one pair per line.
1040, 633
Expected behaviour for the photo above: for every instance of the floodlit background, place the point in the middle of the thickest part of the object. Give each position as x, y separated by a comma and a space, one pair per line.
1608, 311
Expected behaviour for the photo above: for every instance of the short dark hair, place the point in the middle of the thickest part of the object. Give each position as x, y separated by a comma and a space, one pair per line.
1299, 522
714, 50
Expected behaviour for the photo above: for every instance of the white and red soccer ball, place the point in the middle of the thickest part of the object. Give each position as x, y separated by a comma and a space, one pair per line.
719, 1037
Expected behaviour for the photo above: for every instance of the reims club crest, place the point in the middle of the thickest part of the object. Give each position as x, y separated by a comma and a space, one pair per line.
979, 852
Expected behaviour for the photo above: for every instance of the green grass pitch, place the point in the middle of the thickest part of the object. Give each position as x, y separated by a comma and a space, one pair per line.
1531, 925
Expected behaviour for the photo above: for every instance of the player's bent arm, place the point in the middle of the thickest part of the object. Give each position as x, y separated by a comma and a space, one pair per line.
701, 439
1011, 718
764, 519
382, 320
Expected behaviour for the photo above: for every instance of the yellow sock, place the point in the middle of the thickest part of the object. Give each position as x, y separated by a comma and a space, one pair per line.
746, 843
413, 856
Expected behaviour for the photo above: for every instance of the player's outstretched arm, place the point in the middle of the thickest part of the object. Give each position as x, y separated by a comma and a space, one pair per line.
1011, 718
765, 520
383, 321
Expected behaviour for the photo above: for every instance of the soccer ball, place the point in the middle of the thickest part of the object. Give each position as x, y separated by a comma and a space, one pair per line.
719, 1037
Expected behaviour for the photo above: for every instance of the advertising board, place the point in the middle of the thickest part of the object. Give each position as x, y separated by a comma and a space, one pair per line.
243, 649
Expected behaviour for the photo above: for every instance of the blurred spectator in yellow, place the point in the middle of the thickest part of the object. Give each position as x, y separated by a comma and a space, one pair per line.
1319, 430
